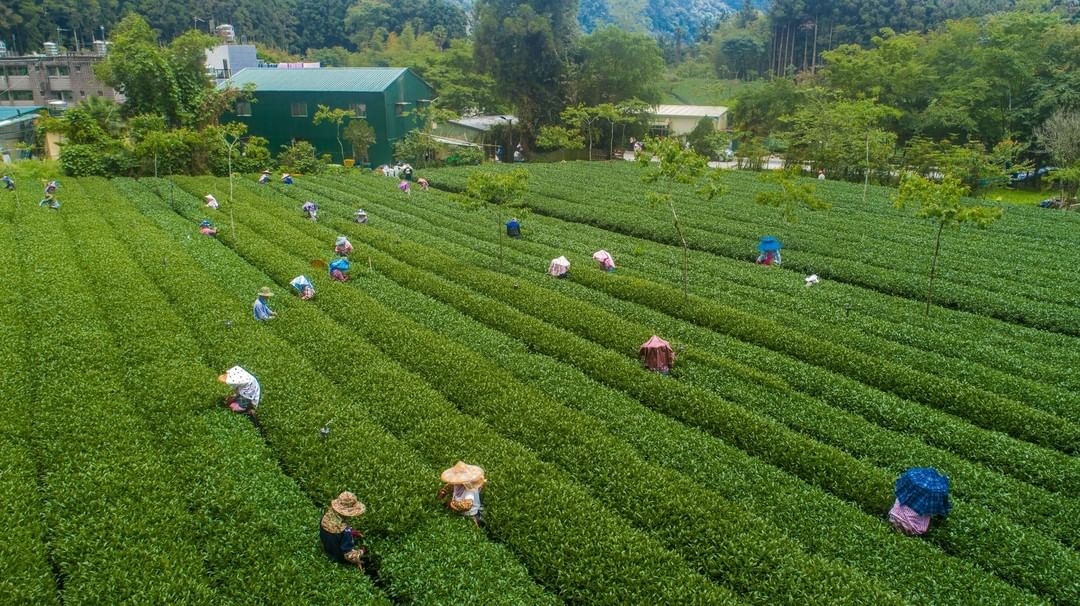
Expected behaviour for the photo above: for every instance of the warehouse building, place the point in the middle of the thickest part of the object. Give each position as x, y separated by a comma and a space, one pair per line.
285, 102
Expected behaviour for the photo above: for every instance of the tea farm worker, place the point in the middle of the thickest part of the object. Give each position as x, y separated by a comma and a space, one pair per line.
9, 183
246, 391
361, 215
264, 178
462, 486
49, 201
286, 178
338, 537
303, 286
261, 308
342, 246
206, 228
339, 269
405, 187
311, 210
211, 201
51, 187
423, 183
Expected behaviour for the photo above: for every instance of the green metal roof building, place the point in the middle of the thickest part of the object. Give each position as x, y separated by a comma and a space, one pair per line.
286, 101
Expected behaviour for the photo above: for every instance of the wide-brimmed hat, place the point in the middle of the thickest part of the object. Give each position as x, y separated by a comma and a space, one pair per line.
347, 505
463, 473
209, 197
266, 172
341, 240
205, 223
236, 376
265, 292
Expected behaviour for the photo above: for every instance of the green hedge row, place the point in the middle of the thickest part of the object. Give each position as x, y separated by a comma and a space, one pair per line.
252, 521
675, 510
27, 576
509, 321
1037, 565
1054, 514
115, 519
359, 455
561, 237
568, 542
913, 568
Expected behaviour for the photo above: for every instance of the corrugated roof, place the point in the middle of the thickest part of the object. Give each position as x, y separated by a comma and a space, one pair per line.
483, 123
693, 111
6, 113
336, 79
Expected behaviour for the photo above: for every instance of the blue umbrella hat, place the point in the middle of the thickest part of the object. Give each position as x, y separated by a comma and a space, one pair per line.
924, 490
339, 264
769, 244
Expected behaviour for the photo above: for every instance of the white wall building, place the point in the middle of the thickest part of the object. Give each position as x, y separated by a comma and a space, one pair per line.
679, 120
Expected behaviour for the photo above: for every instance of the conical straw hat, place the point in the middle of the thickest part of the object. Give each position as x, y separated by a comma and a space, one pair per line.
236, 376
463, 473
347, 505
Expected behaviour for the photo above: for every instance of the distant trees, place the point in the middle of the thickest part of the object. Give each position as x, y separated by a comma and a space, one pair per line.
525, 46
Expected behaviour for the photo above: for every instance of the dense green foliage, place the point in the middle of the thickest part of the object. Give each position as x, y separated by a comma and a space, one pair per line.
758, 473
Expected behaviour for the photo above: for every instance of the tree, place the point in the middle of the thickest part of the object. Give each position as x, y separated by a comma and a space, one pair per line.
525, 46
1059, 136
584, 120
337, 117
169, 81
616, 65
943, 204
667, 163
360, 136
559, 137
794, 193
833, 134
495, 192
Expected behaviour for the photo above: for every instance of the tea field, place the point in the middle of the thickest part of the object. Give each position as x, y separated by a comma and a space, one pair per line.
760, 472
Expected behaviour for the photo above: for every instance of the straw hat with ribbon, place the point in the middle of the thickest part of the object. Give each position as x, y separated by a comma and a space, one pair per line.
463, 473
236, 376
265, 292
347, 505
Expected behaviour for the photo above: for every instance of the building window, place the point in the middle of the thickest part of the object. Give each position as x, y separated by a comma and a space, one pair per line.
299, 110
57, 71
360, 109
400, 108
62, 95
17, 70
82, 93
100, 94
22, 95
243, 108
78, 68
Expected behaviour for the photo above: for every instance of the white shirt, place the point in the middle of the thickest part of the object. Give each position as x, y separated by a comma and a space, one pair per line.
251, 391
461, 493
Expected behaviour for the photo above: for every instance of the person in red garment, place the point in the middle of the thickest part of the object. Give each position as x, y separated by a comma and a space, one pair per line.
339, 539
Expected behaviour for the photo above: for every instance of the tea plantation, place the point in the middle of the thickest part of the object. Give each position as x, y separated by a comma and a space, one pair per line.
759, 472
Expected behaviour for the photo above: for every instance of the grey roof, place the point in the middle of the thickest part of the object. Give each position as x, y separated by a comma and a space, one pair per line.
483, 123
335, 79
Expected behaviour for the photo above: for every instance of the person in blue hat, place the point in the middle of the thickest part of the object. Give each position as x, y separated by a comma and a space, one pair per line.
339, 268
9, 183
769, 251
921, 492
207, 229
513, 228
303, 286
